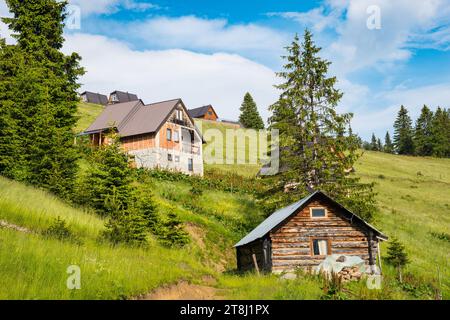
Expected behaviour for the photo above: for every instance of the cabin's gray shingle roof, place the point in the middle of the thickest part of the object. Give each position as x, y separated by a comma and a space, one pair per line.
199, 112
280, 215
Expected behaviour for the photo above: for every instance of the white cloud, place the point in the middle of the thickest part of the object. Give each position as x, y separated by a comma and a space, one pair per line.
378, 118
89, 7
219, 79
203, 35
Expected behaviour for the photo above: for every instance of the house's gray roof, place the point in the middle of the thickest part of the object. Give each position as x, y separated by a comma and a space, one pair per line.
281, 215
199, 112
134, 118
113, 116
148, 118
96, 98
125, 96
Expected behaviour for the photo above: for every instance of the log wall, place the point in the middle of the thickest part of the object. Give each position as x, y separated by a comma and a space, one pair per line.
292, 241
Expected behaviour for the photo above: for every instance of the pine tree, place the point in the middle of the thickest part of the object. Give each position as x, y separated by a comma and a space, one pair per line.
316, 151
440, 133
423, 136
173, 234
403, 133
373, 143
45, 98
397, 256
250, 117
388, 147
379, 145
109, 179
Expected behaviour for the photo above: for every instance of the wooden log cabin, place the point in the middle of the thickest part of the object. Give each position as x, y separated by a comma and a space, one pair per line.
304, 233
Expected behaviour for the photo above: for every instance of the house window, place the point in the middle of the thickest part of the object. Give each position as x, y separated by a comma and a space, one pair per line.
169, 157
320, 247
318, 212
177, 158
176, 136
169, 134
180, 114
190, 165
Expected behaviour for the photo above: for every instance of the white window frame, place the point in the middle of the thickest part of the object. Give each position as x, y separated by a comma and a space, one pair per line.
176, 136
322, 208
179, 114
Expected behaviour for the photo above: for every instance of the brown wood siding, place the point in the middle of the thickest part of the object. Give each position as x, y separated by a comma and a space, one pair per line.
138, 142
211, 116
292, 242
163, 142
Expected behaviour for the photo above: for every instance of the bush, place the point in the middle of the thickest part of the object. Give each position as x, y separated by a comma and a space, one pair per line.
126, 227
59, 230
171, 232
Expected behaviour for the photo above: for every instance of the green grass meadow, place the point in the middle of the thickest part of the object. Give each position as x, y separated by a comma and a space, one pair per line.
413, 197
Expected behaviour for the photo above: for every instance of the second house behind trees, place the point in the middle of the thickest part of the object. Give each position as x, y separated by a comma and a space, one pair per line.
155, 135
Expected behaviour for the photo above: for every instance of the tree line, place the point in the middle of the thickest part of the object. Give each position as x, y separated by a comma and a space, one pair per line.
430, 136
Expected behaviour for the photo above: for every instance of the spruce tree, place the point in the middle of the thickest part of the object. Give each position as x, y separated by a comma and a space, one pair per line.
316, 152
379, 145
388, 147
373, 143
397, 256
440, 133
423, 136
403, 133
249, 116
45, 98
108, 180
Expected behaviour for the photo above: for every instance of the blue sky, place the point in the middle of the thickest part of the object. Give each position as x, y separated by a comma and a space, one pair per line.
214, 51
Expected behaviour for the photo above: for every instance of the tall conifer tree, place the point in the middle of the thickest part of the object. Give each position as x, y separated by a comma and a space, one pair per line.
423, 136
316, 151
250, 117
388, 147
403, 133
441, 133
45, 100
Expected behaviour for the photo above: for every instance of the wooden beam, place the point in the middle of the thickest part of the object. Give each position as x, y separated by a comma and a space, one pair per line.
256, 263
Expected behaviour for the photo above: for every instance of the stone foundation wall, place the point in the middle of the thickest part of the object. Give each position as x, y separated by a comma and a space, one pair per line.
159, 157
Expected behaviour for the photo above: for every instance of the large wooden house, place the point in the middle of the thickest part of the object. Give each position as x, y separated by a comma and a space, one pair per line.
159, 135
304, 233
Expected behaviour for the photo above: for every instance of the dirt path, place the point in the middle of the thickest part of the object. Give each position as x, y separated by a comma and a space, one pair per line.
183, 291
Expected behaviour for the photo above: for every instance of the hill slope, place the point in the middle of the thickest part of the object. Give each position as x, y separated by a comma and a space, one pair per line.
414, 206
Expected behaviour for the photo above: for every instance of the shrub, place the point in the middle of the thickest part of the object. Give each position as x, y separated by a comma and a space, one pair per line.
59, 230
171, 232
126, 227
397, 256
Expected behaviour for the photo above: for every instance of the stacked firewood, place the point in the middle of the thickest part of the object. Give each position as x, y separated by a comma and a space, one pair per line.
350, 273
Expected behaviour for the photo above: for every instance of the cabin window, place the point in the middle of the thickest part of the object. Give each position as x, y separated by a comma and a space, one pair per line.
190, 165
318, 212
176, 136
169, 157
169, 134
210, 113
320, 247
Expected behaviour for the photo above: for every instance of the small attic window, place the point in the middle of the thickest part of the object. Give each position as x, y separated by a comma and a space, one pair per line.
318, 212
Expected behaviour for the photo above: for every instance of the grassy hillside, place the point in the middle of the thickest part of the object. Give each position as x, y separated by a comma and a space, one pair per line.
414, 206
87, 113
